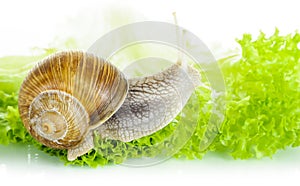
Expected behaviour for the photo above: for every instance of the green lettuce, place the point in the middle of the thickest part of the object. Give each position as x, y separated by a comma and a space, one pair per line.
263, 94
262, 108
11, 130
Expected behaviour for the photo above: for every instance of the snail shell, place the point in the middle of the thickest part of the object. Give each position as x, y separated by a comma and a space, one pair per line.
69, 95
66, 96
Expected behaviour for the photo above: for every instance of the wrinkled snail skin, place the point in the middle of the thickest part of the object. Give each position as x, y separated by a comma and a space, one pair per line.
151, 103
67, 95
70, 95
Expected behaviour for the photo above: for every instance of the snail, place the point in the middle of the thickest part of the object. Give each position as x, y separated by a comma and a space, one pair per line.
70, 95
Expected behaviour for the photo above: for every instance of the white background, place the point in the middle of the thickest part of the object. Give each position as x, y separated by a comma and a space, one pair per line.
28, 24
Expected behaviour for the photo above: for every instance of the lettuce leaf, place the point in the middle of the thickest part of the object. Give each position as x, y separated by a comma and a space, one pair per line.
262, 111
263, 91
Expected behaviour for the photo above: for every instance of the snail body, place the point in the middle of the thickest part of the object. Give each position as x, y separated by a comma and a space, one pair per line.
151, 103
69, 95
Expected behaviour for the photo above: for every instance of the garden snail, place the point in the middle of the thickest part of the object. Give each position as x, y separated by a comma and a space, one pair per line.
69, 95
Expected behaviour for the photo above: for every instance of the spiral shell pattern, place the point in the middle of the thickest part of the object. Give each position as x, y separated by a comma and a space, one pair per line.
68, 94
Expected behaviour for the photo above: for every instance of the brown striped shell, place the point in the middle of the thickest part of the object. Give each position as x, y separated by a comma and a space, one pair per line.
68, 94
